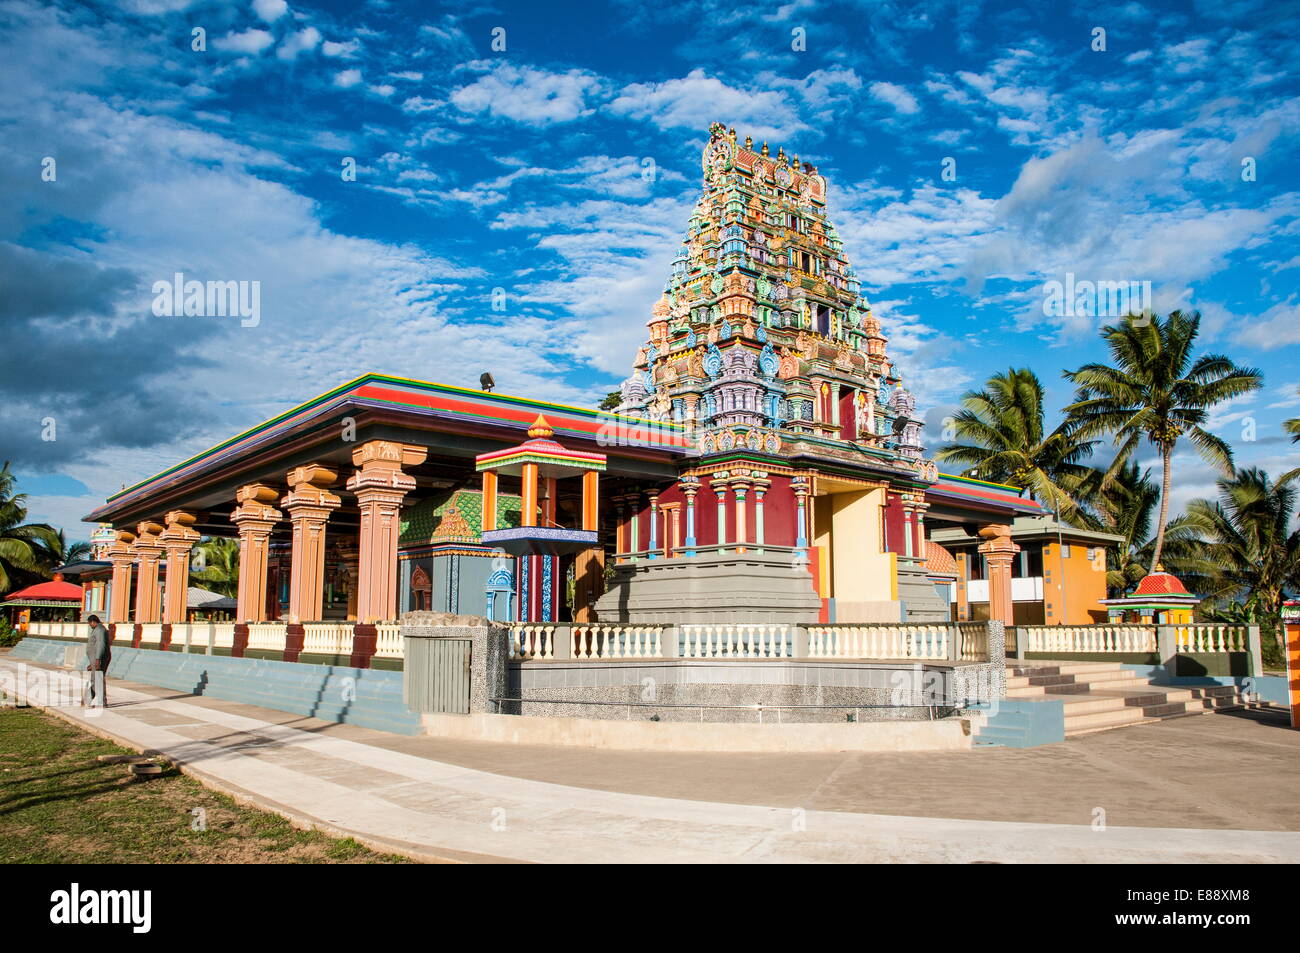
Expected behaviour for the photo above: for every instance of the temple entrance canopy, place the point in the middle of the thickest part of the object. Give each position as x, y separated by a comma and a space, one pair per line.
541, 463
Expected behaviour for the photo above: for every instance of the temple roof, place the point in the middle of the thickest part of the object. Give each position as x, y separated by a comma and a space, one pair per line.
1160, 583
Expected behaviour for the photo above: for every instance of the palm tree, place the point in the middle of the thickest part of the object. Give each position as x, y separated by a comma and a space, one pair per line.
1157, 392
1292, 427
1005, 441
1126, 506
1253, 554
59, 552
215, 565
24, 546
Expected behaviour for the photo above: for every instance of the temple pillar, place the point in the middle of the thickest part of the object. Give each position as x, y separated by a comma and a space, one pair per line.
741, 490
528, 494
380, 486
309, 504
922, 551
720, 488
121, 556
654, 524
690, 487
591, 501
760, 531
489, 500
148, 551
178, 540
800, 486
999, 550
254, 516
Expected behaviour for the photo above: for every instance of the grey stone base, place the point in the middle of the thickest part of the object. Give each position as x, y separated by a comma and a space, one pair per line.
920, 598
767, 587
631, 689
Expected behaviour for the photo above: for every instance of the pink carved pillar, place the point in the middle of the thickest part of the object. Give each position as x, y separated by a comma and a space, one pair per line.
121, 556
148, 551
178, 539
255, 516
380, 486
999, 550
310, 504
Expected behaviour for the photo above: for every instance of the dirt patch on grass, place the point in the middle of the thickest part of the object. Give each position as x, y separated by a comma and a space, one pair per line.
58, 804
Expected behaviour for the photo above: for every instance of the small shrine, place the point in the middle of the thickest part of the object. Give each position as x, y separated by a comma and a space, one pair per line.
1159, 599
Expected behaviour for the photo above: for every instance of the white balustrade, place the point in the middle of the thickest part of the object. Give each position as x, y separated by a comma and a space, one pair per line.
389, 643
973, 644
1211, 638
532, 641
892, 641
1099, 639
267, 636
324, 638
150, 633
222, 634
617, 641
741, 640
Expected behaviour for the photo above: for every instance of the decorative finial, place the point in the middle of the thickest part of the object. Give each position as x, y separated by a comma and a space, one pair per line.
796, 160
780, 154
765, 148
749, 142
540, 428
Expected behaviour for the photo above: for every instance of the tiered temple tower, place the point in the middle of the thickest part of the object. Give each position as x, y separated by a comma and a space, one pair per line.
762, 338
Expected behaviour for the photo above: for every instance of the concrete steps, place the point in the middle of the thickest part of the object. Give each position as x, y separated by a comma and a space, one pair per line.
1099, 696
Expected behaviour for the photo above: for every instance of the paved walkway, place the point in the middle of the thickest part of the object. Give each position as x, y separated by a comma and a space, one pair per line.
476, 802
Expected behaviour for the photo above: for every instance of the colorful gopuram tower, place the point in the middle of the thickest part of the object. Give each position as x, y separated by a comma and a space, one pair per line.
762, 337
807, 447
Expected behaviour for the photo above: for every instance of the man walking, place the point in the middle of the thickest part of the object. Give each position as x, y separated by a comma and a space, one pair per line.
98, 653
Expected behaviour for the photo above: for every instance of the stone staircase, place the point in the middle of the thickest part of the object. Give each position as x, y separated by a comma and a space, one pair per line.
1098, 696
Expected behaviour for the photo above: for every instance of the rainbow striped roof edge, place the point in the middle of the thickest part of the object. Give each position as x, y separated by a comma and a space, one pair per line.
675, 432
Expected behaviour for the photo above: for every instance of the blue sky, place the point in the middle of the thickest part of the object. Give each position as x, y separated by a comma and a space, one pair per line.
563, 168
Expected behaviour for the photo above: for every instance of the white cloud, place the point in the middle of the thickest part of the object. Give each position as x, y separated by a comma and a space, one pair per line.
528, 95
896, 96
344, 50
270, 10
301, 42
250, 41
347, 78
696, 100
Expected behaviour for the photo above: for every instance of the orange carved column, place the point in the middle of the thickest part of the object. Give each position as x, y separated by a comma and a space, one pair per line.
999, 551
177, 539
380, 486
148, 551
528, 491
255, 515
121, 556
310, 504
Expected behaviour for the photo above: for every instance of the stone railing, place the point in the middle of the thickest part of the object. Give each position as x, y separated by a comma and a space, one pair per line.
743, 640
887, 641
532, 640
973, 641
58, 630
1086, 638
389, 643
325, 638
966, 641
151, 633
267, 636
617, 641
1211, 637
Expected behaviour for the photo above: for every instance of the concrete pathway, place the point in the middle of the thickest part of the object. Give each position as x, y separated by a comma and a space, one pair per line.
352, 782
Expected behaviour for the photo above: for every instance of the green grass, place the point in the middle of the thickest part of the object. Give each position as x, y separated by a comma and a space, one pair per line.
58, 804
